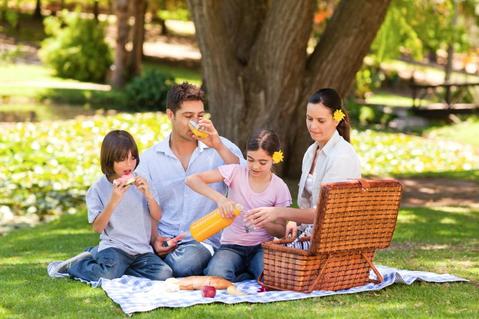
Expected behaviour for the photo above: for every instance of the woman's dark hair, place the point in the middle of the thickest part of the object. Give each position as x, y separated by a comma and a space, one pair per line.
183, 92
115, 148
265, 139
331, 99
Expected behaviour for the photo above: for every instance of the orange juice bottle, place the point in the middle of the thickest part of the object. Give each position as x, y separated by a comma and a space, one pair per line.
195, 129
212, 223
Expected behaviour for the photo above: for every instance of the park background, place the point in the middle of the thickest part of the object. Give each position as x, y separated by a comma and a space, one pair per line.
70, 71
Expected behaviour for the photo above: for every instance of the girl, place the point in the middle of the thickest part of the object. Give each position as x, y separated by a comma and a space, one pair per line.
331, 158
240, 255
121, 209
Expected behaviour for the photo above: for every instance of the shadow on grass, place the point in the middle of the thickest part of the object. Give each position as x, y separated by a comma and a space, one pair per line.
438, 225
27, 291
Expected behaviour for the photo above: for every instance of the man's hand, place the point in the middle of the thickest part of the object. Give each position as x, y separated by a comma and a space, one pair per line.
213, 140
162, 247
165, 245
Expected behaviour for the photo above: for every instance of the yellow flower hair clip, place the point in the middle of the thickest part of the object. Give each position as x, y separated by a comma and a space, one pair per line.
338, 115
278, 157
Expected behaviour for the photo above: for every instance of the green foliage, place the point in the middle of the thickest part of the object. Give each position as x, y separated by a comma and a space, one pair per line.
181, 14
418, 27
76, 48
368, 78
148, 91
12, 18
394, 153
50, 166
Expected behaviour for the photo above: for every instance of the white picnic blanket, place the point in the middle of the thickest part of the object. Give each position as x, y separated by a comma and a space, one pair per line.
138, 294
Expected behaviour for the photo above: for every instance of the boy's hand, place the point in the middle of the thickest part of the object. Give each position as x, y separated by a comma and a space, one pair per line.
119, 190
143, 187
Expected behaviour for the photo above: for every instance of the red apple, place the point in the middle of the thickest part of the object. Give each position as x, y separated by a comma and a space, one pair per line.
208, 291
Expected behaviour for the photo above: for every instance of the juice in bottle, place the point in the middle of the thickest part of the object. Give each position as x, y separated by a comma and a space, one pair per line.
212, 223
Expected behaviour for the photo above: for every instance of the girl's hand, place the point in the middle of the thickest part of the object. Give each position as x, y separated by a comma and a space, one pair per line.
261, 216
143, 187
291, 230
226, 208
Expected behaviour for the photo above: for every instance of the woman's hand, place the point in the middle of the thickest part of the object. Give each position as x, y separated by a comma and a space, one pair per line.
291, 230
261, 216
226, 207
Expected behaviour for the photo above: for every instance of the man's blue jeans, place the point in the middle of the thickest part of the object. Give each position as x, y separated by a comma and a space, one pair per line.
236, 263
188, 259
113, 263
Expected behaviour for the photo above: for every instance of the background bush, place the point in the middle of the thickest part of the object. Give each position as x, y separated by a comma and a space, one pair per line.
76, 48
148, 91
48, 167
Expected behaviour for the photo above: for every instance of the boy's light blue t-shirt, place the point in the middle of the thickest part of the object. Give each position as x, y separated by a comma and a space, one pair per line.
129, 227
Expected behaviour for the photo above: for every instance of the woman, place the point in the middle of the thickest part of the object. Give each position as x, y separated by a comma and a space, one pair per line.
331, 158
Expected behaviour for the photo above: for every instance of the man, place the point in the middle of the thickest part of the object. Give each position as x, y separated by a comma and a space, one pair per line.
168, 163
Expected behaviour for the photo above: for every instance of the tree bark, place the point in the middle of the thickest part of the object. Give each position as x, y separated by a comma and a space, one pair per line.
96, 9
37, 13
258, 72
121, 54
139, 11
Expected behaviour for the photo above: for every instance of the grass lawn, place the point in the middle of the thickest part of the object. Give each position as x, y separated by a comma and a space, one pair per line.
471, 175
464, 132
439, 240
25, 88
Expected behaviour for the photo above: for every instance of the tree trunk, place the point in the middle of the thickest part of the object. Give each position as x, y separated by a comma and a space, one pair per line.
37, 14
121, 54
139, 11
96, 9
257, 68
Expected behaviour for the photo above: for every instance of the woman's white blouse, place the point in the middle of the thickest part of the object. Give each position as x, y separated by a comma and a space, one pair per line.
336, 162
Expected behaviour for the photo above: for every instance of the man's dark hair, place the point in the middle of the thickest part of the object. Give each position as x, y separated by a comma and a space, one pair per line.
183, 92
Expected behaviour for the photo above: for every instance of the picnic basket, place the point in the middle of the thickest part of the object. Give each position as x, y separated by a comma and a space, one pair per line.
352, 220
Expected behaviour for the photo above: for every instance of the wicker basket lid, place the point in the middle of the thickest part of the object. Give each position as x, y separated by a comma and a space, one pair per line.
358, 214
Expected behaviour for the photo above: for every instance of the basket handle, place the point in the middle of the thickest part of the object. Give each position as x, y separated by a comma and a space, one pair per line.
364, 184
375, 270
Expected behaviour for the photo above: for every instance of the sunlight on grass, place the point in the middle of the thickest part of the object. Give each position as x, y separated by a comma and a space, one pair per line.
179, 73
464, 132
384, 98
421, 245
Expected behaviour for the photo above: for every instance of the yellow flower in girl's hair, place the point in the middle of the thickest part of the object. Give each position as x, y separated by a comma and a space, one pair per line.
278, 157
338, 115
